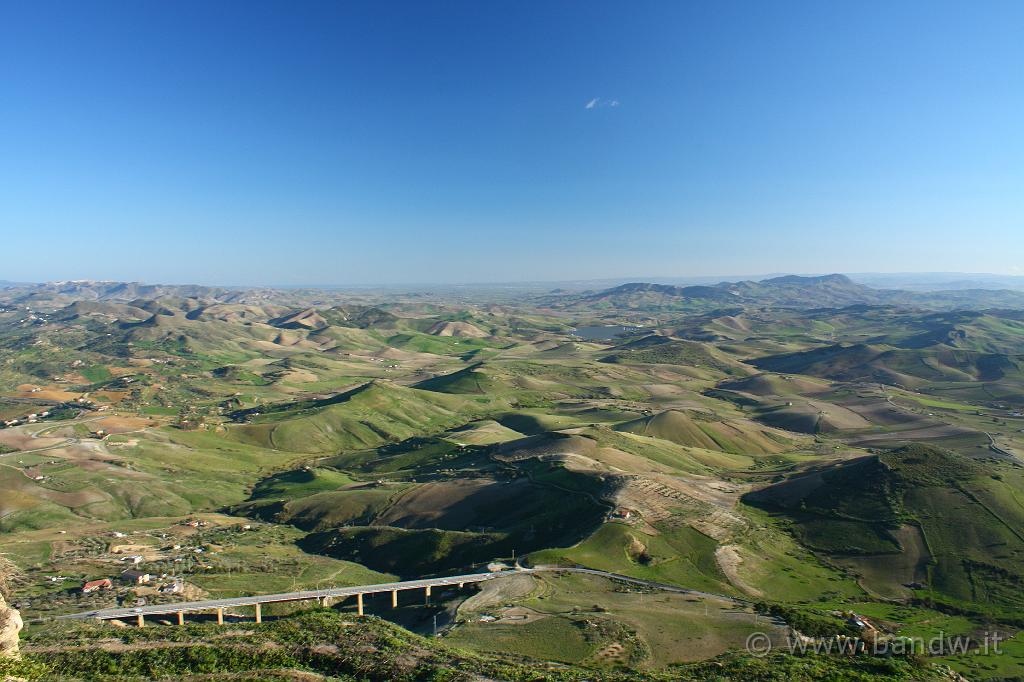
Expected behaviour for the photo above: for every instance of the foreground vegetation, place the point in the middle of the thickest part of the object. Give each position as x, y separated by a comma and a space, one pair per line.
338, 648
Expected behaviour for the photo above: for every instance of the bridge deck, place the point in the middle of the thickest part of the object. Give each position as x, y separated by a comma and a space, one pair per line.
213, 604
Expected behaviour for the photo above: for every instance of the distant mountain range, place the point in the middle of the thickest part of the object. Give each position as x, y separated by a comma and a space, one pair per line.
117, 291
792, 291
53, 295
938, 281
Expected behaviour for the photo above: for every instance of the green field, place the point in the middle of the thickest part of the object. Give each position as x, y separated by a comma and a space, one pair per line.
680, 556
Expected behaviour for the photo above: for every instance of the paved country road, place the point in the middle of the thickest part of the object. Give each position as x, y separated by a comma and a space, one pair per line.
637, 581
213, 604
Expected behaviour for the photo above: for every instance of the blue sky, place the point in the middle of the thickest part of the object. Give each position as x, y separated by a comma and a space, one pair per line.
392, 142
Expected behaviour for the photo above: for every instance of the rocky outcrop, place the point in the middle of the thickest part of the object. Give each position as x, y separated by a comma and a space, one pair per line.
10, 626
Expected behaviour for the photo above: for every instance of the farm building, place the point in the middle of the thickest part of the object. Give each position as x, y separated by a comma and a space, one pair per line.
136, 577
95, 585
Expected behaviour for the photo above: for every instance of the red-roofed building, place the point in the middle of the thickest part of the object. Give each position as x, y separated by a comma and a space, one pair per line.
94, 585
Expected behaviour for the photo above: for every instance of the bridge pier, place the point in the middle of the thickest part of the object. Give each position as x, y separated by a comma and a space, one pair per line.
324, 597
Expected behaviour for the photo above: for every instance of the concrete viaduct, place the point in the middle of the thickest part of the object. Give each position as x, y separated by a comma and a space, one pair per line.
217, 606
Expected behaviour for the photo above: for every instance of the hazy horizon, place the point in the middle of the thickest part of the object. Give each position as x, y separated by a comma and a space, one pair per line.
893, 280
410, 142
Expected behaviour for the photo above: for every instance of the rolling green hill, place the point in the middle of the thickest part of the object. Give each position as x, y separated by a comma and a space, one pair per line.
467, 380
735, 443
375, 413
863, 362
663, 350
697, 429
917, 519
775, 384
321, 644
424, 530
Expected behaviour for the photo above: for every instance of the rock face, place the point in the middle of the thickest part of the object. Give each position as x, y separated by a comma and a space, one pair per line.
10, 626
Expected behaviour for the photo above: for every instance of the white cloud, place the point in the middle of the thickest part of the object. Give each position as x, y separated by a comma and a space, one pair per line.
591, 104
598, 103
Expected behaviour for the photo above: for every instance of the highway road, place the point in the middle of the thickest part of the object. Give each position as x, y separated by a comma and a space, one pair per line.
214, 604
637, 581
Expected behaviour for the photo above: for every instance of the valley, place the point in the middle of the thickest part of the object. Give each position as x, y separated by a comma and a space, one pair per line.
789, 452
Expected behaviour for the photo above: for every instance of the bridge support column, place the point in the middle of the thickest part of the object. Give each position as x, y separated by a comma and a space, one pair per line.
394, 599
460, 585
220, 616
142, 621
428, 590
359, 603
181, 617
259, 613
